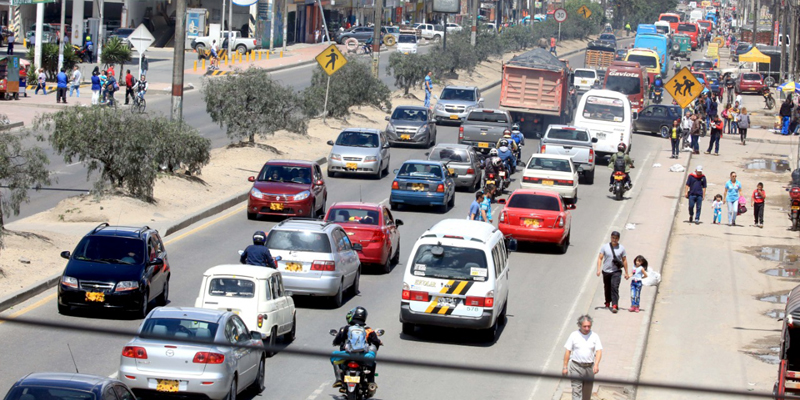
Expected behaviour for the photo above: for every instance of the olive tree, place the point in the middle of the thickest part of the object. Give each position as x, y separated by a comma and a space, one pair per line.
409, 70
251, 103
352, 85
21, 168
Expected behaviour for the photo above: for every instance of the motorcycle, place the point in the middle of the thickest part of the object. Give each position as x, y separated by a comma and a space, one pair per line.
355, 375
619, 187
657, 92
81, 52
794, 214
769, 101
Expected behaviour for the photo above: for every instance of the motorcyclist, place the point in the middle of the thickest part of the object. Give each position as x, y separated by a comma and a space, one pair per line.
257, 253
357, 317
676, 66
658, 88
621, 161
507, 155
517, 135
507, 137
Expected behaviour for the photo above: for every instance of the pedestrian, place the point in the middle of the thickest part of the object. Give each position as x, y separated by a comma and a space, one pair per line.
129, 83
638, 273
611, 261
711, 108
716, 134
428, 87
145, 65
733, 113
726, 118
89, 48
62, 80
695, 134
757, 202
553, 45
733, 189
786, 114
76, 81
486, 204
103, 80
743, 125
96, 87
675, 138
11, 39
582, 358
696, 191
41, 80
110, 71
316, 36
686, 127
476, 213
111, 87
717, 206
627, 29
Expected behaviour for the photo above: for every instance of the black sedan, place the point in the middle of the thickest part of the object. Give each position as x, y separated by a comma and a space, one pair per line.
52, 385
657, 119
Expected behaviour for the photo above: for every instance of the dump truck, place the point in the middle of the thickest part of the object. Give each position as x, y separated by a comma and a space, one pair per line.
599, 55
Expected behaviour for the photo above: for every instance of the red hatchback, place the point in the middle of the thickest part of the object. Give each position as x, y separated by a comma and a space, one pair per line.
287, 187
537, 216
749, 82
372, 226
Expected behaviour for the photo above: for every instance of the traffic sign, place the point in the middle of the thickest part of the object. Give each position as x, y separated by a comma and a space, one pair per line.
141, 38
331, 59
585, 11
684, 87
560, 15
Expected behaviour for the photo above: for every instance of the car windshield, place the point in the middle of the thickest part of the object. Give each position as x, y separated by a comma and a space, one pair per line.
415, 170
568, 134
353, 215
752, 77
357, 139
644, 60
604, 109
702, 64
123, 31
662, 29
549, 164
583, 73
47, 393
110, 250
201, 331
670, 18
286, 174
534, 202
484, 116
232, 287
407, 39
607, 36
624, 84
687, 28
458, 94
449, 262
448, 154
314, 242
410, 114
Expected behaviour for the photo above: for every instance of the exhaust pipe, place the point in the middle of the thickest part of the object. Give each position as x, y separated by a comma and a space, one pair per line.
372, 388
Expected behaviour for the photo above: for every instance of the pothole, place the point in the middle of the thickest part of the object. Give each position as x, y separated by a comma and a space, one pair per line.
765, 349
783, 272
778, 166
787, 256
776, 314
775, 298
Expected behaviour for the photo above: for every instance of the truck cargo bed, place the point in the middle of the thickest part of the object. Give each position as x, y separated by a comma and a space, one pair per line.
533, 90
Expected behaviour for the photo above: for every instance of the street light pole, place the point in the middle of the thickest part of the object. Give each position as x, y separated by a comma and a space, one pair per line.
178, 59
376, 39
61, 33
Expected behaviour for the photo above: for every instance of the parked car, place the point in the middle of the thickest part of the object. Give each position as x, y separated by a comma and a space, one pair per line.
287, 188
57, 385
49, 34
699, 65
317, 258
749, 82
452, 28
407, 44
240, 44
577, 143
362, 33
455, 102
374, 227
122, 34
537, 216
255, 294
657, 119
157, 361
411, 125
115, 267
552, 172
463, 161
359, 151
423, 183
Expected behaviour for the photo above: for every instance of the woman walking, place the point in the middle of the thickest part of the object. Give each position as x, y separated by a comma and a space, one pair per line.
96, 86
743, 125
733, 189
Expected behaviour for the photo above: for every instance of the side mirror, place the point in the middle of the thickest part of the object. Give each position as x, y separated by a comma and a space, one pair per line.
65, 254
330, 142
357, 246
158, 261
241, 252
288, 293
594, 140
480, 100
319, 182
278, 258
512, 244
320, 217
398, 222
634, 115
388, 118
387, 145
427, 153
501, 201
251, 179
256, 335
571, 206
333, 332
396, 171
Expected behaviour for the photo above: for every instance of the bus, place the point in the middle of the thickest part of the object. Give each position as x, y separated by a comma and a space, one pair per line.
660, 44
630, 79
608, 117
673, 19
647, 58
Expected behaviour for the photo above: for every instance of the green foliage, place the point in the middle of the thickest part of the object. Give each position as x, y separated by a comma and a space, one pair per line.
21, 168
251, 103
638, 12
409, 70
516, 38
352, 85
50, 60
115, 52
125, 148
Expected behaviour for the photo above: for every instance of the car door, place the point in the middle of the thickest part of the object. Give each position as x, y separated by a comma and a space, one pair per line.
385, 157
283, 314
645, 120
390, 232
478, 98
449, 182
123, 393
154, 274
348, 256
659, 118
109, 393
248, 363
364, 33
318, 188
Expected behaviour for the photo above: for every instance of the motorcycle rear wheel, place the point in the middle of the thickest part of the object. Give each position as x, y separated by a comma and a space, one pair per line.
618, 191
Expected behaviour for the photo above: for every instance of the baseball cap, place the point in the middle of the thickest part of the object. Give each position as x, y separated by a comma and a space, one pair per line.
699, 168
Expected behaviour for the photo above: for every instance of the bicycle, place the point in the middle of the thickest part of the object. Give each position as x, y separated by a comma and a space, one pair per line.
139, 104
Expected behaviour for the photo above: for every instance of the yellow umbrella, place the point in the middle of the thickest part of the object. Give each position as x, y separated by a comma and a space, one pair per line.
754, 55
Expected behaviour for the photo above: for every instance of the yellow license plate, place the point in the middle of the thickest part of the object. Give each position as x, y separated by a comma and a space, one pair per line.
294, 267
483, 145
454, 117
548, 183
417, 187
618, 177
405, 137
532, 222
352, 379
165, 385
93, 296
583, 81
451, 171
276, 206
795, 208
405, 52
351, 165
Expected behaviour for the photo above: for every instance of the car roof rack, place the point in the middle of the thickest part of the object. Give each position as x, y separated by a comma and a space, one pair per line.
99, 227
305, 220
142, 230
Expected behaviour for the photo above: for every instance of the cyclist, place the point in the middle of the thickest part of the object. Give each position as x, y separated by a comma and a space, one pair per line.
214, 58
141, 87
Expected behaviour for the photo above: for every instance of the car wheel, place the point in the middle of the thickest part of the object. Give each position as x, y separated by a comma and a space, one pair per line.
378, 173
385, 171
64, 310
574, 199
142, 311
289, 337
242, 49
331, 174
163, 299
396, 257
501, 319
251, 216
437, 38
488, 335
200, 48
272, 340
321, 211
337, 299
664, 131
394, 206
356, 282
452, 202
387, 266
589, 177
408, 328
562, 248
232, 391
258, 384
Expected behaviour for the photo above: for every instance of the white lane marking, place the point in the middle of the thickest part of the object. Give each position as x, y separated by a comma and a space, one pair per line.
590, 276
317, 392
75, 163
384, 201
114, 375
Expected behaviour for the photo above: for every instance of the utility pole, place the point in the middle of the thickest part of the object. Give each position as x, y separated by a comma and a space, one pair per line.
474, 22
178, 59
37, 45
222, 26
285, 7
784, 32
792, 49
444, 41
272, 25
376, 39
230, 29
531, 13
98, 41
61, 35
755, 22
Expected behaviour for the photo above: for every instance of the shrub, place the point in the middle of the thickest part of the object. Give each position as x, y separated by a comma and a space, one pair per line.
50, 60
409, 70
115, 52
21, 168
352, 85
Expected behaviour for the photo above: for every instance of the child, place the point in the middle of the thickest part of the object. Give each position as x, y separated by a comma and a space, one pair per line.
675, 138
639, 272
757, 202
717, 206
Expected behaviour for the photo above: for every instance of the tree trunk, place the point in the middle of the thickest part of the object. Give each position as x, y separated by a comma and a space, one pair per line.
252, 138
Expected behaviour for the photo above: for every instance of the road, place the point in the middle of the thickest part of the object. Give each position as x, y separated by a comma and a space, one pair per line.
548, 291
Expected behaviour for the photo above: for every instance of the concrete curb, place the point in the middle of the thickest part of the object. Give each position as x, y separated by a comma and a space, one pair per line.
11, 126
29, 292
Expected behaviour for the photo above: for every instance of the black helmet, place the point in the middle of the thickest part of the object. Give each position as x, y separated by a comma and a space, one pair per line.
621, 147
259, 237
504, 143
357, 315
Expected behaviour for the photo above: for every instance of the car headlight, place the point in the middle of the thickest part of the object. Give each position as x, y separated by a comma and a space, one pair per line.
390, 128
439, 106
69, 281
125, 286
336, 157
256, 193
422, 128
371, 158
302, 195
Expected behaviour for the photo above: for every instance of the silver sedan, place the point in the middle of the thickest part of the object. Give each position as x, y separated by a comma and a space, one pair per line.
161, 363
359, 151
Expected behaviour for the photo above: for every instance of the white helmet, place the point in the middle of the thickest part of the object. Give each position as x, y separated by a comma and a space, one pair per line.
493, 152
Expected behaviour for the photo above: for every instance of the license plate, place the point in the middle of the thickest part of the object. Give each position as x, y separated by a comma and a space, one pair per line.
454, 117
294, 267
483, 145
93, 296
547, 182
795, 208
447, 302
166, 385
583, 81
351, 165
276, 206
405, 137
417, 187
532, 222
451, 171
405, 52
502, 174
352, 379
618, 177
601, 135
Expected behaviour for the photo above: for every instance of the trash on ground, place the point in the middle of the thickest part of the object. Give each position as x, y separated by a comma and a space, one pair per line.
677, 168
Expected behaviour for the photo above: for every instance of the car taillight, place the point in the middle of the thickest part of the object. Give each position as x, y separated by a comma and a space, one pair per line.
591, 156
134, 352
560, 223
530, 179
414, 295
205, 357
542, 150
440, 188
475, 301
564, 182
489, 301
323, 266
377, 237
395, 185
503, 216
260, 320
470, 171
353, 364
460, 133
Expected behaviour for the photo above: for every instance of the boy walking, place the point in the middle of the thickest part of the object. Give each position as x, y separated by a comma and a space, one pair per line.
757, 202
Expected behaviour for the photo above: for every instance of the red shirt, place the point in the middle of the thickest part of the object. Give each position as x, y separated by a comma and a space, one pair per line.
552, 42
129, 80
759, 196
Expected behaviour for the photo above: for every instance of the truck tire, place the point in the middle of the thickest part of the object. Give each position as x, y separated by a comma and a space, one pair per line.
588, 177
389, 40
351, 44
201, 49
437, 38
241, 49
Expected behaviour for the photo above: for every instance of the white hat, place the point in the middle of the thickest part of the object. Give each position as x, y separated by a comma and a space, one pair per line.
699, 168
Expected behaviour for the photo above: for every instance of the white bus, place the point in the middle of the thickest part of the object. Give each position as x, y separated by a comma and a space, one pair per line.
607, 115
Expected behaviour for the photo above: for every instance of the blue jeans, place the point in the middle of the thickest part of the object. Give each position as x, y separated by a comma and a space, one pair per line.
714, 142
42, 87
695, 205
784, 126
636, 292
427, 99
339, 356
77, 90
733, 210
717, 215
696, 143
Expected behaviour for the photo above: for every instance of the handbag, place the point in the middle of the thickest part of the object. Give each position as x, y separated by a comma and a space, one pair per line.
614, 260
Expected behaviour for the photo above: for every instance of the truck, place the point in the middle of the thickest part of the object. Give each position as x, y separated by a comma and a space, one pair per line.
657, 42
431, 32
536, 91
240, 44
598, 56
574, 142
483, 128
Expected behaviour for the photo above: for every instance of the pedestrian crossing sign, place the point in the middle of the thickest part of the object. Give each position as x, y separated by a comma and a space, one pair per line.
331, 59
684, 87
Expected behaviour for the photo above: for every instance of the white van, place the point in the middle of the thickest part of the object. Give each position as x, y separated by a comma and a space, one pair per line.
457, 276
608, 117
696, 15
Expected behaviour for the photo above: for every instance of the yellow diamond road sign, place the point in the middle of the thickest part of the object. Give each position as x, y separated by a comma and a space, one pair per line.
585, 11
331, 59
684, 87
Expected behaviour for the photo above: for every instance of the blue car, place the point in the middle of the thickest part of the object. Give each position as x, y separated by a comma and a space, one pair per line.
423, 183
55, 385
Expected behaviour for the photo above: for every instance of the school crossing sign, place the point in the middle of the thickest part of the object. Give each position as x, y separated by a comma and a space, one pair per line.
684, 87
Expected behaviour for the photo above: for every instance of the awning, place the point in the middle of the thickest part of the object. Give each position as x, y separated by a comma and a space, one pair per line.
754, 55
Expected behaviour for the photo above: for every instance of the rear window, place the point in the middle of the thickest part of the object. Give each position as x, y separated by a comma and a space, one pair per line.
687, 28
407, 39
354, 215
670, 18
458, 94
568, 134
445, 154
298, 241
549, 164
414, 170
180, 328
752, 77
643, 60
604, 109
460, 263
582, 73
703, 64
607, 36
483, 116
534, 202
232, 287
48, 393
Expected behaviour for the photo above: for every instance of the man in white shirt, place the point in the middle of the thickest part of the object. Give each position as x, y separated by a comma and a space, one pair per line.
582, 358
686, 126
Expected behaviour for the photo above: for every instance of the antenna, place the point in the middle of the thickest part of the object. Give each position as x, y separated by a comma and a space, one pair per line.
73, 359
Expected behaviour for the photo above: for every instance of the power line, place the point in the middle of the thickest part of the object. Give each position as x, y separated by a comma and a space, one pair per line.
404, 362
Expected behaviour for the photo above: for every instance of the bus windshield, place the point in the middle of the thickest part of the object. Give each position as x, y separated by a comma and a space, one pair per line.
625, 83
670, 18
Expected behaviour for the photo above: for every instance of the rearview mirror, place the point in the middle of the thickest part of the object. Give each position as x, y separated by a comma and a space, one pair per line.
396, 171
398, 222
388, 118
330, 142
571, 206
634, 115
594, 140
278, 258
256, 335
380, 332
333, 332
357, 246
65, 254
158, 261
251, 179
501, 201
319, 182
480, 100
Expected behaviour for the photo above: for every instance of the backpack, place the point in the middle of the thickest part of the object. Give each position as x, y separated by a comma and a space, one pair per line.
356, 340
116, 86
619, 163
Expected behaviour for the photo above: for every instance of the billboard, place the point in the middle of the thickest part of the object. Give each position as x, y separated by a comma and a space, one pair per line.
446, 6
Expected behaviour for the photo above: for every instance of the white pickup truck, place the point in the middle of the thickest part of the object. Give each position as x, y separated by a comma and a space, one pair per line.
431, 32
240, 44
574, 142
